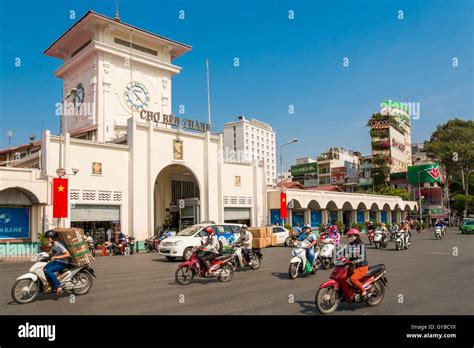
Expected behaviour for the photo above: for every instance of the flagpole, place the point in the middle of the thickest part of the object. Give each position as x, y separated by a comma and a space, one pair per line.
208, 93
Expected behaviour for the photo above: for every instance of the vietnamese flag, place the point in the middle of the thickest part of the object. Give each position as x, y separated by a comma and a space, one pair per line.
283, 206
60, 198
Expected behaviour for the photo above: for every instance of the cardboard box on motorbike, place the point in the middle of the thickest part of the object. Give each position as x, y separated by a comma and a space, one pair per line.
76, 243
259, 243
258, 232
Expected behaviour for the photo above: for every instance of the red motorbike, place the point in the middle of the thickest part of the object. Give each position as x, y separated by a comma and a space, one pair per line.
220, 268
339, 289
370, 234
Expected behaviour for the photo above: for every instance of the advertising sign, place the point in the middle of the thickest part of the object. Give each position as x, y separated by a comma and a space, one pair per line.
431, 196
337, 175
302, 169
14, 222
426, 172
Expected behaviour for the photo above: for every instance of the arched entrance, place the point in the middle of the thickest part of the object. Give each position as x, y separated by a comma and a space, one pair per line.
176, 184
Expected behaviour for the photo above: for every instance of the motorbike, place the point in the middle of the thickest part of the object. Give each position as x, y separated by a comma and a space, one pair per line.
220, 268
370, 235
299, 260
393, 233
129, 246
339, 289
326, 254
403, 240
380, 239
443, 230
90, 244
438, 232
152, 243
240, 259
28, 286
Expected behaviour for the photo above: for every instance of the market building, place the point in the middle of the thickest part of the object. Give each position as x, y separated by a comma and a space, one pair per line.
133, 165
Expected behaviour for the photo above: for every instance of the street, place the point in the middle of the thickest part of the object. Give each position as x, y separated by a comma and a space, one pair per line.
431, 277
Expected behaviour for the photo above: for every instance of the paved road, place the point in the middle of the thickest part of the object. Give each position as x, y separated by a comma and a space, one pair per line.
428, 276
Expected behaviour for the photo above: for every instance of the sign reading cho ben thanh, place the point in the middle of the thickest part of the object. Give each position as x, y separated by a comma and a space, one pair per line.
172, 120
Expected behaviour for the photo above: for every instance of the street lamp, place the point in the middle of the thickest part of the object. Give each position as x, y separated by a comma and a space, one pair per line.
295, 140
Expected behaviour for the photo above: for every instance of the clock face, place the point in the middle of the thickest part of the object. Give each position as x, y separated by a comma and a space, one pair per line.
137, 96
79, 96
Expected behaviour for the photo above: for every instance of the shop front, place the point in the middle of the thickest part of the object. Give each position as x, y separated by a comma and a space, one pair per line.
96, 219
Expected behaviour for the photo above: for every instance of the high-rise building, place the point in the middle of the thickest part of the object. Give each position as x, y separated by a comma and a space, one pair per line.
391, 140
252, 140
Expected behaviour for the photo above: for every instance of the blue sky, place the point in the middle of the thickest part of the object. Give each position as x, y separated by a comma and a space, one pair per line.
282, 62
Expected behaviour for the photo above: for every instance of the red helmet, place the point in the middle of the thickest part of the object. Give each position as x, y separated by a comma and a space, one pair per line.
353, 232
209, 230
334, 229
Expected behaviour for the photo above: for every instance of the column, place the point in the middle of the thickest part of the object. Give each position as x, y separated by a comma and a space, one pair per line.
378, 216
399, 216
353, 217
290, 217
307, 216
340, 215
324, 216
366, 215
389, 217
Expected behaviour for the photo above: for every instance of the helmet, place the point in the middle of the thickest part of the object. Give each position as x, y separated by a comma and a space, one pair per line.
306, 228
209, 230
353, 232
244, 228
51, 234
334, 229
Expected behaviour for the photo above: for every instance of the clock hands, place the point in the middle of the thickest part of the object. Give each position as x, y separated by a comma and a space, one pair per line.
136, 95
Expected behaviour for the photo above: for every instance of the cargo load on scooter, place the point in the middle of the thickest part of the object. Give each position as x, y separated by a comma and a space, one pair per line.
76, 243
258, 232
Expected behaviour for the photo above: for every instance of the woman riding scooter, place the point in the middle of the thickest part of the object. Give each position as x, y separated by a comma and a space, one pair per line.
307, 235
356, 252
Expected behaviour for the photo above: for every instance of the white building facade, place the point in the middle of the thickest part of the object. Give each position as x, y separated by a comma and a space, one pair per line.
252, 140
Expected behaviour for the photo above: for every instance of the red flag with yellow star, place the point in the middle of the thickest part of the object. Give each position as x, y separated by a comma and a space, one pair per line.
283, 206
60, 198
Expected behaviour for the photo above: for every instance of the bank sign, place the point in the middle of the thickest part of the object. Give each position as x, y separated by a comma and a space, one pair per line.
302, 169
14, 222
426, 173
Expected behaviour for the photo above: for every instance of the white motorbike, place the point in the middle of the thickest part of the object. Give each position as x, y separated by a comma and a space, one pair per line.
438, 231
380, 239
326, 255
254, 259
402, 240
298, 261
28, 286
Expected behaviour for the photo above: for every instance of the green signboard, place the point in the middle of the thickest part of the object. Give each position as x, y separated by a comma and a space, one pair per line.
302, 169
425, 173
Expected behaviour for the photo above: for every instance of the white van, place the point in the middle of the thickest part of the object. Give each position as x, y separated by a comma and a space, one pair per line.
181, 245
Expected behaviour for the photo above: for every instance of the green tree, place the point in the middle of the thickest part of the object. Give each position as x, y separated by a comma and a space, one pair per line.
390, 191
452, 145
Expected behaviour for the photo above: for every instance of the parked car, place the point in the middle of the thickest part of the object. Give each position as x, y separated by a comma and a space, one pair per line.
468, 227
282, 234
181, 245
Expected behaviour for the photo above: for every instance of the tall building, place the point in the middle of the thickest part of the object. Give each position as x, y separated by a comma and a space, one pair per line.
340, 167
390, 140
252, 140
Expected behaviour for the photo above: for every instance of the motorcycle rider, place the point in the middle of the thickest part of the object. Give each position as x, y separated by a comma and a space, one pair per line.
307, 235
245, 239
210, 247
384, 230
356, 252
334, 234
59, 260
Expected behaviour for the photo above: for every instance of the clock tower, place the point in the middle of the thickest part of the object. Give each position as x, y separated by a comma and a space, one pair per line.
116, 70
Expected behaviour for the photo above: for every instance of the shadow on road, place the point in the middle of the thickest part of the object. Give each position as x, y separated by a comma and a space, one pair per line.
41, 298
282, 276
308, 307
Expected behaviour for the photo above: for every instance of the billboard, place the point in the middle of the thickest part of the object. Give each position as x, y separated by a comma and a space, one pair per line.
337, 175
431, 195
14, 222
426, 172
302, 169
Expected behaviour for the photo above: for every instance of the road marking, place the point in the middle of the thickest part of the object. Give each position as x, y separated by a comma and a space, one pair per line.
243, 308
